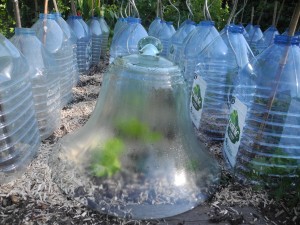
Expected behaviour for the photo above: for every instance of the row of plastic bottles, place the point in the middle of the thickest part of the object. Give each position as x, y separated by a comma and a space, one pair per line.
259, 40
249, 103
214, 64
38, 69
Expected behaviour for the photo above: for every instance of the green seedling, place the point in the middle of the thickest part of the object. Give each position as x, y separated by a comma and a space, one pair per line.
289, 180
106, 161
135, 129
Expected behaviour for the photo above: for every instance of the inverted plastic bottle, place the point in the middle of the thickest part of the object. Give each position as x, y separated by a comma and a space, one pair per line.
89, 47
266, 114
164, 35
96, 34
194, 44
20, 138
137, 156
266, 40
156, 29
105, 35
44, 79
57, 43
71, 37
217, 69
119, 24
82, 43
254, 36
177, 40
249, 27
154, 26
126, 42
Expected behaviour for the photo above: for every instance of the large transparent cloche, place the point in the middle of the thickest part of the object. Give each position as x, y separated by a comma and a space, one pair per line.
137, 156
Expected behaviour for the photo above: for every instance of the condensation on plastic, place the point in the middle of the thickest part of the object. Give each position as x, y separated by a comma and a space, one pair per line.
270, 146
105, 35
83, 43
218, 65
19, 133
127, 40
56, 42
204, 34
266, 40
96, 34
71, 37
44, 79
163, 170
177, 40
164, 35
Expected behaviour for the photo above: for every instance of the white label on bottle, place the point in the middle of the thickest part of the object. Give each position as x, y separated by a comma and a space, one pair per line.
196, 101
234, 129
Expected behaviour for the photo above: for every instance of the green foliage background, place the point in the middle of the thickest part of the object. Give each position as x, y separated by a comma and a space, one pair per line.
219, 10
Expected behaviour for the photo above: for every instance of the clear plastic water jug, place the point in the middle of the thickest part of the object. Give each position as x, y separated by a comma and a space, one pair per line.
96, 33
155, 31
56, 42
249, 27
71, 37
262, 138
266, 40
105, 35
254, 36
119, 30
129, 36
177, 40
119, 24
20, 138
83, 44
89, 48
164, 35
218, 67
44, 79
154, 26
137, 156
194, 44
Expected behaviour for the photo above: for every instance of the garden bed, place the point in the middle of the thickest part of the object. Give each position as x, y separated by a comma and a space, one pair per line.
35, 199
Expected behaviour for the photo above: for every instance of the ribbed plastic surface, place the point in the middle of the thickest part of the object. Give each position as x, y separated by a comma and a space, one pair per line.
164, 35
45, 82
71, 37
219, 64
19, 134
83, 50
177, 40
266, 40
105, 35
269, 150
96, 34
204, 34
57, 43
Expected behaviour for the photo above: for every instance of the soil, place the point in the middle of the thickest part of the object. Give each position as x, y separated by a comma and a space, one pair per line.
34, 198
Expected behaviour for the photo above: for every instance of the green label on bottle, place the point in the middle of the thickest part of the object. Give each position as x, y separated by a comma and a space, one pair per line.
233, 127
196, 97
234, 130
196, 101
